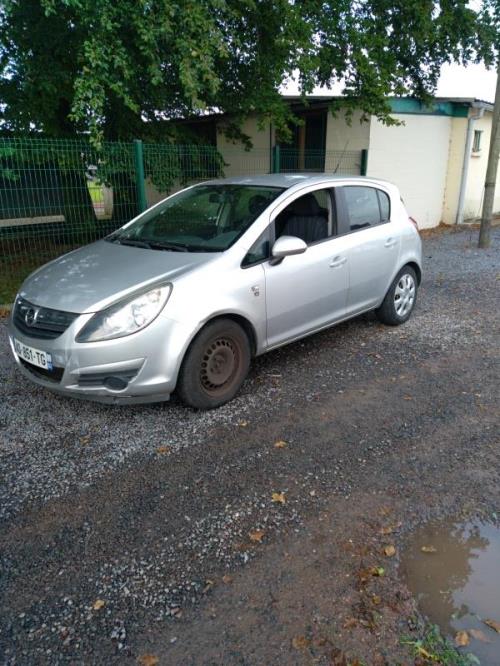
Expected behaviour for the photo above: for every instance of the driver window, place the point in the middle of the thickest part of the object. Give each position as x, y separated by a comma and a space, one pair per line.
310, 217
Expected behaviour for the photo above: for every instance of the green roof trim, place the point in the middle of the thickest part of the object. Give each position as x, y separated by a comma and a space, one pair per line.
414, 106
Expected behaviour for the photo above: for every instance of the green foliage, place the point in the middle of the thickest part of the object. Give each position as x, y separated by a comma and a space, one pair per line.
434, 648
119, 68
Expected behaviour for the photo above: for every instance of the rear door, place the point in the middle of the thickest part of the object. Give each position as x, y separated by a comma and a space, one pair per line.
372, 243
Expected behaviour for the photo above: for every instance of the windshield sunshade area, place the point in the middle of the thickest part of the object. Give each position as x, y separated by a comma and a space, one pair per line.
205, 218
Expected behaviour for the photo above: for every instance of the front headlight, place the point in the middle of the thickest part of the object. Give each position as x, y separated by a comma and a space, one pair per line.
125, 317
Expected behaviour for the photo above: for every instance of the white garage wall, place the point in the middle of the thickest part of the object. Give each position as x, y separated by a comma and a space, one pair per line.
342, 136
413, 156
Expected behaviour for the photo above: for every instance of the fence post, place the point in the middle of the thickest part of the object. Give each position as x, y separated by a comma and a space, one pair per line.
140, 185
364, 161
276, 159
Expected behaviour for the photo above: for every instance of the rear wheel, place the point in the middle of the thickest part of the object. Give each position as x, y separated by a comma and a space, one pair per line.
399, 301
215, 365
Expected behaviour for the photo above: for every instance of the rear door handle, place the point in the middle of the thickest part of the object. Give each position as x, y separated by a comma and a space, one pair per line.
390, 242
337, 261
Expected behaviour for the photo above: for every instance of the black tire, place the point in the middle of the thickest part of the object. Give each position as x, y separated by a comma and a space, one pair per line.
392, 313
215, 365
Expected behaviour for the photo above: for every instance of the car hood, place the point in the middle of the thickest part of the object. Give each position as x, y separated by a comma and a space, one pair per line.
92, 277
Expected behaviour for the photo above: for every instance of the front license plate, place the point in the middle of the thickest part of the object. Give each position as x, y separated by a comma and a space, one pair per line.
34, 356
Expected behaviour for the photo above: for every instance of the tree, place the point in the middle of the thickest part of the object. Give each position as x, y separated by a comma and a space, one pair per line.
117, 68
491, 171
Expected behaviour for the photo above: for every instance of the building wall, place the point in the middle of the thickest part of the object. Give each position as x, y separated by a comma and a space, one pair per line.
341, 136
413, 156
477, 173
458, 129
240, 162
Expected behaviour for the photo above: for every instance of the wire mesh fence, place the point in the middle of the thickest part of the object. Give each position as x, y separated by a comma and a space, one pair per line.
59, 194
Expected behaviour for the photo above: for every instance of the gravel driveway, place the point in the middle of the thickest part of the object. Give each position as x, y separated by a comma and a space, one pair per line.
152, 530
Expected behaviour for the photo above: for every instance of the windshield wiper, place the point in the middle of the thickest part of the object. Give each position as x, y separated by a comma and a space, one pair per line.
176, 247
150, 244
130, 241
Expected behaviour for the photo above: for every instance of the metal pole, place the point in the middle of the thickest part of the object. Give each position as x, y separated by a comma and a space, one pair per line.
364, 161
465, 165
491, 171
276, 159
140, 184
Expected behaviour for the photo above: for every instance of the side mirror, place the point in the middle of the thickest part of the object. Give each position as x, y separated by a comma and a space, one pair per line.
285, 246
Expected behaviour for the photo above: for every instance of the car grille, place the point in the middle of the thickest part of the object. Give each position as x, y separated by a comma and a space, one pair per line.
47, 324
54, 375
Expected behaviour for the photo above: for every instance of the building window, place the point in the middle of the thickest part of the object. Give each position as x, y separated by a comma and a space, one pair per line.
476, 146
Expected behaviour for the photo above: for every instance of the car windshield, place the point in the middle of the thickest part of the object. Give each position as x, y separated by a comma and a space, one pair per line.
205, 218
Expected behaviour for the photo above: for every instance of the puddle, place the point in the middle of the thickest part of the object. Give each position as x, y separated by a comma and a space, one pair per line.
458, 585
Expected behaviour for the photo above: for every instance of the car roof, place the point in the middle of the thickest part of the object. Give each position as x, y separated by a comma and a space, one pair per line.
287, 180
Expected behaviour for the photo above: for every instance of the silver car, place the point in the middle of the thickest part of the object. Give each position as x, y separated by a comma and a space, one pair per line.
183, 296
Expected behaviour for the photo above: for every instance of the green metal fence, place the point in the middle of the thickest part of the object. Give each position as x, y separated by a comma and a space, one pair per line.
57, 194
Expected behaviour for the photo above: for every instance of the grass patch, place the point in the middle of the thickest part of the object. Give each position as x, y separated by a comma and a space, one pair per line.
95, 191
434, 648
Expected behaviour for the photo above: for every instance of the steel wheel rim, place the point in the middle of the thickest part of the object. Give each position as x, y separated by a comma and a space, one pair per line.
220, 364
404, 295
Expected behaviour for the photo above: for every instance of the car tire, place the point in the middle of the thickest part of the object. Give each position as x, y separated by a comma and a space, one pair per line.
215, 365
400, 299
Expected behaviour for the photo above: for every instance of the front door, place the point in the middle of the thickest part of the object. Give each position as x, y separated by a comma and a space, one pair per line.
307, 291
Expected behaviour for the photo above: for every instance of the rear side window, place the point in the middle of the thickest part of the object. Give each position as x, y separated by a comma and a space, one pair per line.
365, 206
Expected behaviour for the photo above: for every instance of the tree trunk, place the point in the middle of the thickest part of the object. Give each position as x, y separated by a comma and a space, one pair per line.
491, 171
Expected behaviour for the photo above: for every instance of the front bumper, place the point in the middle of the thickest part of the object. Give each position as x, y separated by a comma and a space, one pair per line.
138, 368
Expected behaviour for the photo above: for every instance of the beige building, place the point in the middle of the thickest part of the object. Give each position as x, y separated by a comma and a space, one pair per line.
437, 155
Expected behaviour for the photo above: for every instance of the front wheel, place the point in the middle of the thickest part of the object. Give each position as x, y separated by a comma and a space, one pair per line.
215, 365
400, 299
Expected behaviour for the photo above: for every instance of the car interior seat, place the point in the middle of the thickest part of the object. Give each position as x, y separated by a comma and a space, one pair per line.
305, 219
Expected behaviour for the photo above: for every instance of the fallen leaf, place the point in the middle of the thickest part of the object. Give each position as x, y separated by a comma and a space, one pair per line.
389, 551
208, 586
479, 635
162, 450
376, 600
85, 440
462, 639
493, 624
350, 623
256, 535
280, 444
98, 604
227, 579
389, 529
377, 571
300, 642
407, 397
148, 660
278, 497
428, 549
243, 424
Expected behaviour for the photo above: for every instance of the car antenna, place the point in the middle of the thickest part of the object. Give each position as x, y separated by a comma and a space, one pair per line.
341, 156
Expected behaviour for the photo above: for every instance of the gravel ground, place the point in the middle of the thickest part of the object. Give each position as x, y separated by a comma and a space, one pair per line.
165, 516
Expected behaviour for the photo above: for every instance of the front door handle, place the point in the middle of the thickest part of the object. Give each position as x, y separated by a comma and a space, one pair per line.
390, 242
337, 261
